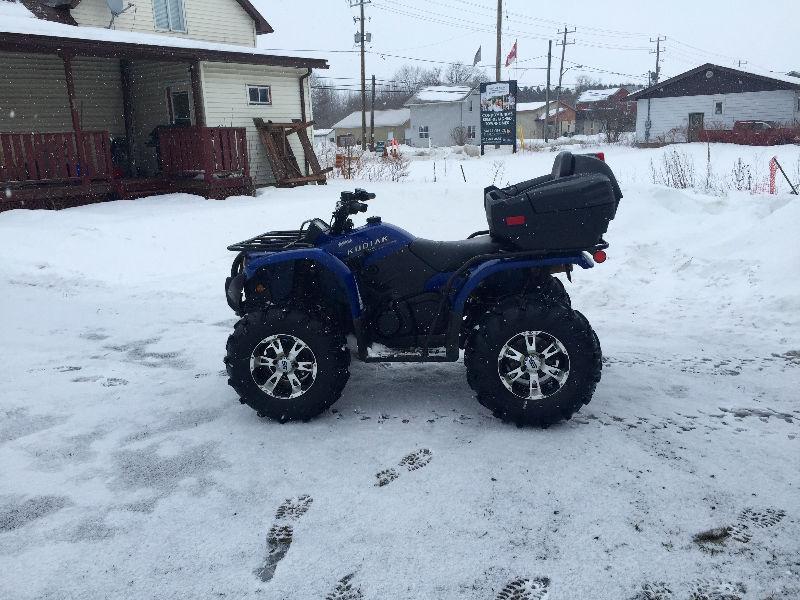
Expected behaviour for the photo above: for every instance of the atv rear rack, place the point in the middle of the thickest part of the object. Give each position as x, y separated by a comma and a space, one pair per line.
272, 241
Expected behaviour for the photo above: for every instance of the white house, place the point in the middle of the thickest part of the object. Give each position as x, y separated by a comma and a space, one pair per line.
444, 115
324, 135
713, 97
106, 105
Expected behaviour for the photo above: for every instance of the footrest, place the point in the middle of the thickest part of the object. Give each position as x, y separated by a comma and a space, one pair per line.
386, 355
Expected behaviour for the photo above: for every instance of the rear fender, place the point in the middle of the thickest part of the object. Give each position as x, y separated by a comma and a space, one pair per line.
492, 267
336, 267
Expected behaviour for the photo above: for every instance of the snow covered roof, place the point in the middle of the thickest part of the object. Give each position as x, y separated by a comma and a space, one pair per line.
788, 81
553, 112
322, 132
20, 31
534, 106
529, 106
597, 95
440, 93
383, 118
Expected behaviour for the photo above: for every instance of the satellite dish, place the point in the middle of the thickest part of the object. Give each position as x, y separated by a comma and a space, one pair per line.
117, 7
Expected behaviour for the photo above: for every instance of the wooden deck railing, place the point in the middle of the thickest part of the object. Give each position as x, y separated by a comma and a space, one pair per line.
54, 157
211, 151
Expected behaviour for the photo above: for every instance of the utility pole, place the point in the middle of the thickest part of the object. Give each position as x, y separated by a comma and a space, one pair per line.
563, 45
362, 39
657, 52
372, 118
497, 73
547, 91
653, 78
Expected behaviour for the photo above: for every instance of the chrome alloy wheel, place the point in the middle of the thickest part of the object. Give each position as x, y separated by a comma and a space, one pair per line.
283, 366
533, 365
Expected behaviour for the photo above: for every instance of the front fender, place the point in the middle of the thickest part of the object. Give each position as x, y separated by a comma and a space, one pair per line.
340, 270
491, 267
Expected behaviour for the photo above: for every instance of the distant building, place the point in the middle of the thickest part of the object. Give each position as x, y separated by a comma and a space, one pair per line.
389, 125
445, 115
323, 135
714, 97
530, 120
592, 106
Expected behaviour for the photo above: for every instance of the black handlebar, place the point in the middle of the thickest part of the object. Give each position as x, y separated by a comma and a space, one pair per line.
358, 195
350, 203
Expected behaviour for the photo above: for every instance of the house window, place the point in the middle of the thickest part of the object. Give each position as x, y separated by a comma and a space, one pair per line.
168, 15
259, 94
718, 107
469, 106
470, 132
423, 131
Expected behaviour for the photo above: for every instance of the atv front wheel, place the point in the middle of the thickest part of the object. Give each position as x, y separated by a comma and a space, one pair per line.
533, 361
287, 364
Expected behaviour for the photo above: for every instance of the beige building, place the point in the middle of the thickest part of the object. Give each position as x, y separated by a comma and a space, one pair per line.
531, 119
389, 125
187, 71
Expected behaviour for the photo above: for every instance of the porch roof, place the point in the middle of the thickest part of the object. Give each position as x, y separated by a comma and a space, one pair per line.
38, 36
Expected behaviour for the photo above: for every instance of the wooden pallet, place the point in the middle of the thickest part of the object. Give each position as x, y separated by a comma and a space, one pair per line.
285, 168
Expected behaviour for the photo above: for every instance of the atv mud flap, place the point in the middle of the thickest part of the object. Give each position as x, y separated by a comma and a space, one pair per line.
233, 292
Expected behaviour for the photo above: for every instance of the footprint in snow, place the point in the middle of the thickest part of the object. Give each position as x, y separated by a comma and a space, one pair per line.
411, 462
654, 591
280, 535
525, 589
742, 530
346, 590
717, 590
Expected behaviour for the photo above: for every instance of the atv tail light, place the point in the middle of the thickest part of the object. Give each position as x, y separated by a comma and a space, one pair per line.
600, 156
599, 256
515, 220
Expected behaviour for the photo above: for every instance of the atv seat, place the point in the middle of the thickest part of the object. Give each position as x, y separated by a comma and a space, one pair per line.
447, 257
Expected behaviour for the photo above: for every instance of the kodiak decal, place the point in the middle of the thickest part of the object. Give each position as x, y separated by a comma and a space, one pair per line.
371, 245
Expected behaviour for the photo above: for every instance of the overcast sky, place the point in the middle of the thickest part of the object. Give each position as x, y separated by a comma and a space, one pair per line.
612, 41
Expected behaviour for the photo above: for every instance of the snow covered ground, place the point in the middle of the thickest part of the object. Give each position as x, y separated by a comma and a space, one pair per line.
129, 469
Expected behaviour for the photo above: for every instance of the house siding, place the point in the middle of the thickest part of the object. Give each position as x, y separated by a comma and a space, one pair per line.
227, 105
441, 118
381, 133
668, 114
223, 21
34, 89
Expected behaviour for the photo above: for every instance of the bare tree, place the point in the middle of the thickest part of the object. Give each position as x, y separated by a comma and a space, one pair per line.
459, 135
461, 74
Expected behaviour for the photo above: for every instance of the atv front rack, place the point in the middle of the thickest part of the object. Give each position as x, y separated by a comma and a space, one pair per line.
273, 241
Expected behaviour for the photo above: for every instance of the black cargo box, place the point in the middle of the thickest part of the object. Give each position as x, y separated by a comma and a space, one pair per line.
554, 213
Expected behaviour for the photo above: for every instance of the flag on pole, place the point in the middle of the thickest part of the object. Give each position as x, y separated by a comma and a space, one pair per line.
511, 55
477, 58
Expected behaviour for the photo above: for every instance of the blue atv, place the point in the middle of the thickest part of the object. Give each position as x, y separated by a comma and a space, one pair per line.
306, 296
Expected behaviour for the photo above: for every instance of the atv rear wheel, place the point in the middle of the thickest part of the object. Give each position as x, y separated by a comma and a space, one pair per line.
533, 361
287, 364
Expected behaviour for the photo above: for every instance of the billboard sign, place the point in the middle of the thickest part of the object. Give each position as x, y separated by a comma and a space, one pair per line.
499, 113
